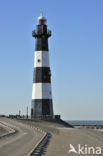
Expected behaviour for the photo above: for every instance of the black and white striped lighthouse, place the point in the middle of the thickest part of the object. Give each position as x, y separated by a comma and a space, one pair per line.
42, 103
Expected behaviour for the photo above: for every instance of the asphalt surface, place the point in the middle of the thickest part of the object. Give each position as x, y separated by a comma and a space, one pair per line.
20, 143
57, 142
3, 130
60, 143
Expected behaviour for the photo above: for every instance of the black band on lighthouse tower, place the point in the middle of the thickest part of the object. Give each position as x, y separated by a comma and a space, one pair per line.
41, 92
42, 75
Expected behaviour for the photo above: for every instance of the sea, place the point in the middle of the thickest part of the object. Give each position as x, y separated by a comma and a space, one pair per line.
85, 122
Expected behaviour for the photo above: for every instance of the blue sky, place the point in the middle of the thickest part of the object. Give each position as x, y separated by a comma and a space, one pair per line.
76, 56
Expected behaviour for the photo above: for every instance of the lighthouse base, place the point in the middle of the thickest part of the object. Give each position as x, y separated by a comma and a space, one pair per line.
41, 107
46, 117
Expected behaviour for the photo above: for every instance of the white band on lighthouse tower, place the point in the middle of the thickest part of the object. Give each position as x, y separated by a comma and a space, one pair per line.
41, 59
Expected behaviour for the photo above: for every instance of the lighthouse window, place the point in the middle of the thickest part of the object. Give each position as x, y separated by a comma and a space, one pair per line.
38, 60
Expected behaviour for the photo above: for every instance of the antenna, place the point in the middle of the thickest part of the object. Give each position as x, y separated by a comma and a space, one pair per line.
41, 12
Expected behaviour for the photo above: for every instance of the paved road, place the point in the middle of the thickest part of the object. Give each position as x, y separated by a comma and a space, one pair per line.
21, 143
60, 143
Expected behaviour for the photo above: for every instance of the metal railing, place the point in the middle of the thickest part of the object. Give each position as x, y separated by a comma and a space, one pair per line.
35, 33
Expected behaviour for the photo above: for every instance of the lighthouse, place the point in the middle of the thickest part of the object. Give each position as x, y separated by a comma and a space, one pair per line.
42, 103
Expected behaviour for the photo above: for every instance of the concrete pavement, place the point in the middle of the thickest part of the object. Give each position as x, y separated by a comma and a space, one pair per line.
60, 143
21, 143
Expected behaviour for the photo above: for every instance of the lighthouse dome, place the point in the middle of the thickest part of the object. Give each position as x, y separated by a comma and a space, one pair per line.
41, 20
